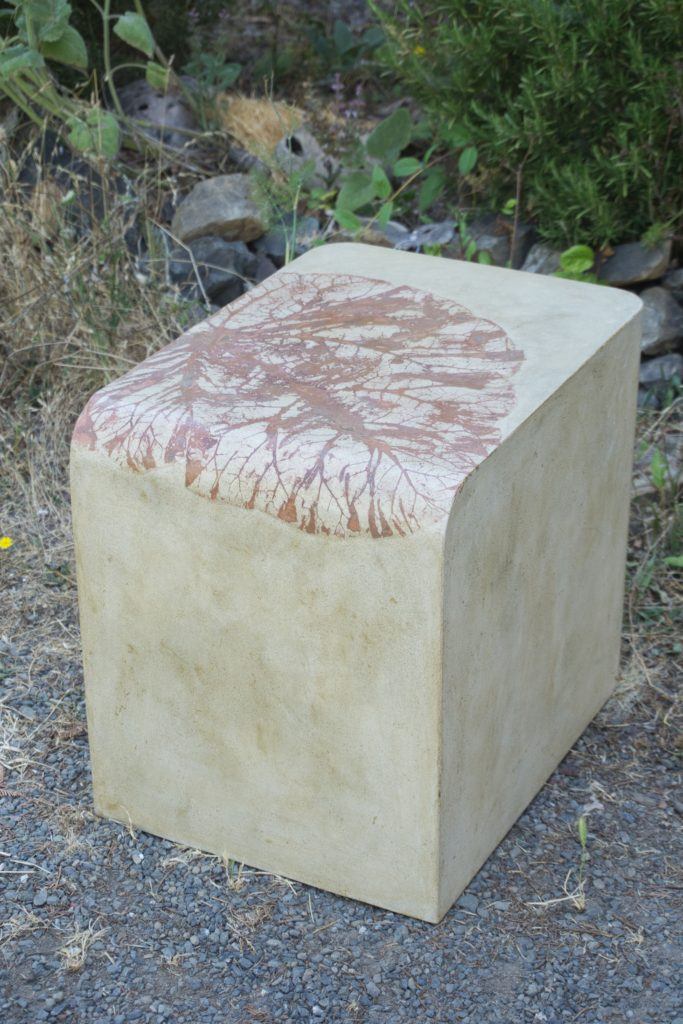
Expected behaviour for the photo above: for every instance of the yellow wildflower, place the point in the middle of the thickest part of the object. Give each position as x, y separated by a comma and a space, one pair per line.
6, 542
419, 51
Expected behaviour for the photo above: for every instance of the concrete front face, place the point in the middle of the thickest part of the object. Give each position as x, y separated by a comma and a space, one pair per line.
350, 561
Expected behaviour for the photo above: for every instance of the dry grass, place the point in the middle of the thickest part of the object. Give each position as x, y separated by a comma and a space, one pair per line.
18, 925
74, 950
257, 124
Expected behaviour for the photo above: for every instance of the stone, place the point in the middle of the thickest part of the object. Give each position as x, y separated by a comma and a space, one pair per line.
264, 268
222, 206
673, 281
633, 263
40, 898
661, 369
278, 240
427, 234
541, 259
662, 321
163, 116
392, 233
223, 267
350, 565
301, 153
493, 233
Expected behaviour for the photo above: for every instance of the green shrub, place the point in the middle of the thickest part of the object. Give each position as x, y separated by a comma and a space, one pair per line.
578, 100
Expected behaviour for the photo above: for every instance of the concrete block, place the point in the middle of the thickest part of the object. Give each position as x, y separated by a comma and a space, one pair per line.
351, 560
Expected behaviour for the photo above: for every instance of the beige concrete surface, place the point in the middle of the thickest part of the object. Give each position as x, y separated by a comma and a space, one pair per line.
350, 563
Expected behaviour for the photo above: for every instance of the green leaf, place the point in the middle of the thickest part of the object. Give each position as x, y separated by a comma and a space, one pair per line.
455, 136
675, 561
49, 18
390, 136
485, 259
381, 183
343, 37
658, 469
18, 58
373, 37
96, 132
157, 76
135, 31
468, 159
509, 207
68, 49
406, 166
577, 260
384, 215
347, 220
431, 188
357, 190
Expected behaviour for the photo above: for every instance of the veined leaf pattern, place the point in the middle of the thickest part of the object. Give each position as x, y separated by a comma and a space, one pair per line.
340, 404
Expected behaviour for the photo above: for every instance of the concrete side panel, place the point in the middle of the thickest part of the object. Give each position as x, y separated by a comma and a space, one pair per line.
533, 591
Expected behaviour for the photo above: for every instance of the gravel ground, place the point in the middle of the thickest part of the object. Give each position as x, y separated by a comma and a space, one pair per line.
101, 923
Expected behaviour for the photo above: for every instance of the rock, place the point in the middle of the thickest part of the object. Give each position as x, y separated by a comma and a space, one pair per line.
275, 242
661, 369
662, 321
673, 282
440, 233
165, 116
492, 234
222, 267
469, 902
634, 262
68, 188
391, 234
541, 259
300, 153
40, 898
264, 268
222, 206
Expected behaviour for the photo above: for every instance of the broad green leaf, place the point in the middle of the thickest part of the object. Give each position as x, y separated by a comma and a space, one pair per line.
577, 260
675, 561
49, 18
384, 215
373, 37
229, 74
485, 259
135, 31
431, 188
347, 219
509, 207
468, 159
381, 183
455, 136
356, 191
96, 132
68, 49
390, 136
343, 37
406, 166
18, 58
157, 76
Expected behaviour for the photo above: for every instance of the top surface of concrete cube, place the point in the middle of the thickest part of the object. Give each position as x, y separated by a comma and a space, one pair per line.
354, 391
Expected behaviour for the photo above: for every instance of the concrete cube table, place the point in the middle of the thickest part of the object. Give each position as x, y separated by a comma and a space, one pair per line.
350, 562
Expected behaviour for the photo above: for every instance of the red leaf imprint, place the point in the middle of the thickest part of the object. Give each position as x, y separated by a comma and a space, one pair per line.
339, 404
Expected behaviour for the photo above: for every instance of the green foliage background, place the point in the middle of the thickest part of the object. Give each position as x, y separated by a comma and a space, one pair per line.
584, 96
